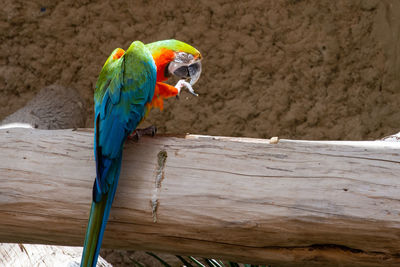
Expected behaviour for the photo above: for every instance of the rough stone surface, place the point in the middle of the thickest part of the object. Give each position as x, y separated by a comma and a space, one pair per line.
54, 107
289, 68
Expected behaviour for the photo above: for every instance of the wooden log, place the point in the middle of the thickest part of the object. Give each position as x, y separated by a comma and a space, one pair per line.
294, 203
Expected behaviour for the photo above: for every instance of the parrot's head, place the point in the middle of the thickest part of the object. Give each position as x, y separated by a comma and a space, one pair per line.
173, 57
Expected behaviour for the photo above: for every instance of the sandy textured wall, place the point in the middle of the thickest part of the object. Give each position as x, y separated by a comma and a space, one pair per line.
306, 69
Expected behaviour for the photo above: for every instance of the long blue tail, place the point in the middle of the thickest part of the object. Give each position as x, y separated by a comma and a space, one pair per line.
98, 217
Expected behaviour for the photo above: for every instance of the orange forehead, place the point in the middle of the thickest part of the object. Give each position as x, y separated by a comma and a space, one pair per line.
163, 56
120, 52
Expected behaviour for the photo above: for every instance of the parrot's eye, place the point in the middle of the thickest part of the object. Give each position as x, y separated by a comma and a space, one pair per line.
166, 71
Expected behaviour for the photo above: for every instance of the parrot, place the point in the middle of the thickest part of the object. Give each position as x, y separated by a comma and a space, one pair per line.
129, 85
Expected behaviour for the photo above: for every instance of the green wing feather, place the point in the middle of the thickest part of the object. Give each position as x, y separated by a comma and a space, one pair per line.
123, 88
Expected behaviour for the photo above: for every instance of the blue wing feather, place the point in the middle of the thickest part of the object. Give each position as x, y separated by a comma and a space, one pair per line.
124, 87
123, 104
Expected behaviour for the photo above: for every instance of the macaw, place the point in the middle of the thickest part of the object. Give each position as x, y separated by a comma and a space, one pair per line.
129, 85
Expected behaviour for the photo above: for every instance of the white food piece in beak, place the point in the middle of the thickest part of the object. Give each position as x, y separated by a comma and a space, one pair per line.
181, 84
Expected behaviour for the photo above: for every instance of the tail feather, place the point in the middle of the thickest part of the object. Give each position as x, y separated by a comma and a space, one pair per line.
98, 218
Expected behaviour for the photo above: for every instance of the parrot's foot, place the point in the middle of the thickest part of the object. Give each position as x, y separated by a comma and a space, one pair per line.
181, 84
138, 133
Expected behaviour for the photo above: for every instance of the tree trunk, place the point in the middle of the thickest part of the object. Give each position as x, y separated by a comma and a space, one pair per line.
294, 203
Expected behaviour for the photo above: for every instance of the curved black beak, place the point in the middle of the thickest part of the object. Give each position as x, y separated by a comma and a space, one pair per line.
191, 71
194, 72
182, 72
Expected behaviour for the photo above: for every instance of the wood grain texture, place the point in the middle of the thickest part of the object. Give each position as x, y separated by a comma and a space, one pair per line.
295, 203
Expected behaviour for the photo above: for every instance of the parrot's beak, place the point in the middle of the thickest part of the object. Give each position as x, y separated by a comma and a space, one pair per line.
186, 67
194, 72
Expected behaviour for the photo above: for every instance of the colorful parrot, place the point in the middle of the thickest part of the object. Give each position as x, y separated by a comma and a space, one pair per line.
129, 85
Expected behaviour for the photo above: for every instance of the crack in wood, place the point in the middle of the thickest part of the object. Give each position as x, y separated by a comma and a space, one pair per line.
351, 157
161, 160
281, 176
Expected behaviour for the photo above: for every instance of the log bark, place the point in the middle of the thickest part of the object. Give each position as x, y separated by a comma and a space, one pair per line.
294, 203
